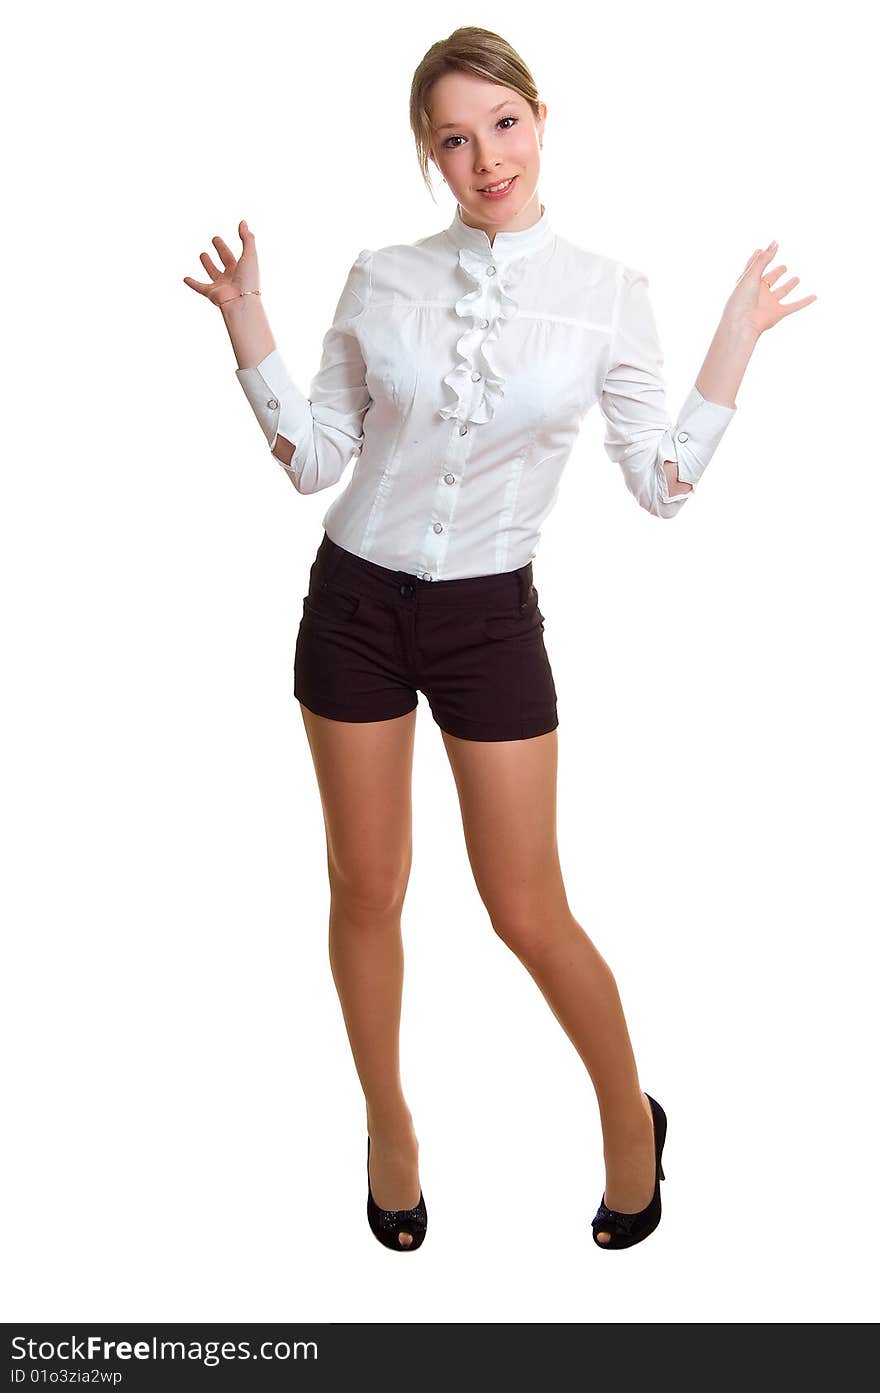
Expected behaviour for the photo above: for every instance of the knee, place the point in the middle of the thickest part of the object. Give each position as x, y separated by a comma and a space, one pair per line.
533, 932
369, 890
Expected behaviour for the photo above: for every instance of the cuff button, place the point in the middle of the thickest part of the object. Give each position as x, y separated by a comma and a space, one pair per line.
682, 435
272, 403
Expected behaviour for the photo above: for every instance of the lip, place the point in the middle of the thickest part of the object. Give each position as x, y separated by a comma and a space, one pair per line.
504, 192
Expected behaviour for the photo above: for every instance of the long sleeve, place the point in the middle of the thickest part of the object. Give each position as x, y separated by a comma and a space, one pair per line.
326, 427
640, 433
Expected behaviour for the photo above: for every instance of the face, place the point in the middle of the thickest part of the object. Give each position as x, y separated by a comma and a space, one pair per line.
482, 134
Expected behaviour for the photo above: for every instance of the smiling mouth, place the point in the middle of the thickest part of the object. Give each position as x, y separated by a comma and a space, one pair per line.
494, 188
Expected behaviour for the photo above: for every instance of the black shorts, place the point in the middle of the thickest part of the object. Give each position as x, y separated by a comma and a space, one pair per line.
370, 639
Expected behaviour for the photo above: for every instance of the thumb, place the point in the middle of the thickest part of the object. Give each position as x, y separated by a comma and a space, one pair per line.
244, 230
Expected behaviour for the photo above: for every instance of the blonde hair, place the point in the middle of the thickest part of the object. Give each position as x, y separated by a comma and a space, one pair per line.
468, 50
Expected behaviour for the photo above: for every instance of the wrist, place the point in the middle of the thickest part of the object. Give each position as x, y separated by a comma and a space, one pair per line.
236, 303
739, 329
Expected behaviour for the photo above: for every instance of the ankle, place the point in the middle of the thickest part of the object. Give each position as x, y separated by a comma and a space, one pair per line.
390, 1121
622, 1119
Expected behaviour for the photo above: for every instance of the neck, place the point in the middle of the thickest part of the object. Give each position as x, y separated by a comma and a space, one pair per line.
526, 217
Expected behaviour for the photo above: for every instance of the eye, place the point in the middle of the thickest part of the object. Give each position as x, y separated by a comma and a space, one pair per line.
447, 146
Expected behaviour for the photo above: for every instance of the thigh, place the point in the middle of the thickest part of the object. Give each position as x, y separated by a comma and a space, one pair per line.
507, 794
364, 773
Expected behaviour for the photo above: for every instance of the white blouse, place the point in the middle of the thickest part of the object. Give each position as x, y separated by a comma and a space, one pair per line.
459, 372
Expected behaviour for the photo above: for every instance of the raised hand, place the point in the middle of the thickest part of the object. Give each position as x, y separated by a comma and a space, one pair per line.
756, 302
237, 275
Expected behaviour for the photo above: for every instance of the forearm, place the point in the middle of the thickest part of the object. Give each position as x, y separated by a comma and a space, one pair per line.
249, 330
719, 379
725, 364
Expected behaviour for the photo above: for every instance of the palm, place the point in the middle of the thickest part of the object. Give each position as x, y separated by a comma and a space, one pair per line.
756, 299
238, 274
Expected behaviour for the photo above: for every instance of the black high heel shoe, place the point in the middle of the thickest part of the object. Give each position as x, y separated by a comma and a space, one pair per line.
388, 1223
627, 1229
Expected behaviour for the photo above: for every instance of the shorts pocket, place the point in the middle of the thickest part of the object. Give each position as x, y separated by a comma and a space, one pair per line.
327, 603
517, 623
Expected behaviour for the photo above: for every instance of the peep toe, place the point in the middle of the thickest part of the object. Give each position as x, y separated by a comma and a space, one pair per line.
627, 1229
386, 1224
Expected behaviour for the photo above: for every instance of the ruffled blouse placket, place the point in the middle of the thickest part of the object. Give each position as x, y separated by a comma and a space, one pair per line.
475, 379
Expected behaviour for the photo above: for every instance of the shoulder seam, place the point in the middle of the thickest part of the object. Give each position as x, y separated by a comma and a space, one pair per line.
364, 258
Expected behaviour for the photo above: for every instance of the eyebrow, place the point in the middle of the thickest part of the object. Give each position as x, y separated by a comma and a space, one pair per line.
452, 125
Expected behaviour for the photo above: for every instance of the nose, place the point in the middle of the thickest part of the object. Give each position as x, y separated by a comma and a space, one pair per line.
484, 160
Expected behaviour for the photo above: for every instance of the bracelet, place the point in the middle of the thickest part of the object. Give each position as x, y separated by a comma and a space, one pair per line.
238, 297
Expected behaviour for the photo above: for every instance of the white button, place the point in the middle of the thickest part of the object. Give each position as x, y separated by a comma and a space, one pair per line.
682, 435
490, 271
462, 430
272, 403
426, 576
475, 376
484, 323
438, 527
449, 478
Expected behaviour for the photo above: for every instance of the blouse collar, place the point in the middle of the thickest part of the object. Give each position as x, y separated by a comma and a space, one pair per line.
507, 246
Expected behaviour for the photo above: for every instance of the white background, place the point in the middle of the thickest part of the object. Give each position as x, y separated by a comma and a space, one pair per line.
187, 1134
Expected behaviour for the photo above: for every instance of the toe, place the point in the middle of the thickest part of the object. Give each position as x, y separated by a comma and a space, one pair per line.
604, 1237
404, 1238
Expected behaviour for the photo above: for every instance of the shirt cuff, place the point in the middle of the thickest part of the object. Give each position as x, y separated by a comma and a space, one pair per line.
693, 440
663, 485
277, 403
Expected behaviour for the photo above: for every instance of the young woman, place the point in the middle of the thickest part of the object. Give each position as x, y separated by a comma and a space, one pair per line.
458, 369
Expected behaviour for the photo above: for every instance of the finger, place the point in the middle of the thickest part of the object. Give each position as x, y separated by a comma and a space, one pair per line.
798, 304
789, 285
197, 285
213, 271
745, 269
244, 231
770, 276
769, 252
225, 254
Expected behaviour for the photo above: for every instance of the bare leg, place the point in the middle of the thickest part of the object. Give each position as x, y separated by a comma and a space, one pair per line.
364, 772
507, 794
